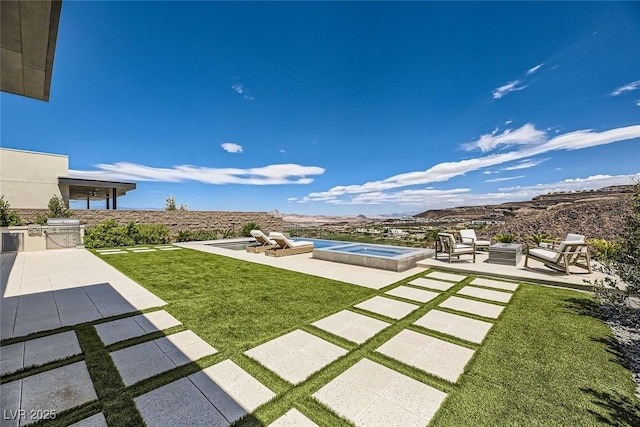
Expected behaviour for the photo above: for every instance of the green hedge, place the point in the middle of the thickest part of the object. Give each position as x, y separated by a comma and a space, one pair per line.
109, 233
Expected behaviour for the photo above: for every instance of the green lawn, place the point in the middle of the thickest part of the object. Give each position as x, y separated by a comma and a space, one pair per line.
547, 361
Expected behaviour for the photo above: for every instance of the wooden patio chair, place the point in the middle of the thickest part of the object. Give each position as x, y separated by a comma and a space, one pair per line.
449, 245
568, 253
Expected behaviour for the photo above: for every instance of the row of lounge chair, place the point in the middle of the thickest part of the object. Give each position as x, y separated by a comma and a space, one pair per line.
277, 244
557, 255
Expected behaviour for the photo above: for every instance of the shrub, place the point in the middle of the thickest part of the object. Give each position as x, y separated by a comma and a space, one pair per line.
505, 238
109, 233
227, 233
196, 235
246, 229
604, 249
8, 217
539, 238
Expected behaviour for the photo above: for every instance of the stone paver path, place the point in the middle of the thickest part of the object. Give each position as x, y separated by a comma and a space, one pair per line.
487, 294
465, 328
352, 326
413, 294
432, 355
55, 390
215, 396
96, 420
293, 418
465, 305
445, 276
296, 355
145, 360
369, 394
38, 351
387, 307
425, 282
497, 284
136, 326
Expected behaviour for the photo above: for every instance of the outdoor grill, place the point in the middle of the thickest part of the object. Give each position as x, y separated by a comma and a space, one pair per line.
63, 233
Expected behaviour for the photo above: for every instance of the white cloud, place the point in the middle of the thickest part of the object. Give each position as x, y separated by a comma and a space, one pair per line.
534, 69
638, 102
626, 88
242, 90
508, 178
524, 135
430, 198
508, 122
266, 175
532, 143
505, 89
283, 151
231, 147
525, 164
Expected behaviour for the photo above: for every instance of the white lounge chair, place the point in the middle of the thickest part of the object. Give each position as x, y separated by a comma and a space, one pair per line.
454, 249
287, 246
568, 253
263, 242
554, 244
469, 237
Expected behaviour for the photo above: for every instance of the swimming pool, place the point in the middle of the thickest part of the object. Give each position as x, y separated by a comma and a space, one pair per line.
384, 257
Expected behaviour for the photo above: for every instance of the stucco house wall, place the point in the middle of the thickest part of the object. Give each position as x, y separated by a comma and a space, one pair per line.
28, 179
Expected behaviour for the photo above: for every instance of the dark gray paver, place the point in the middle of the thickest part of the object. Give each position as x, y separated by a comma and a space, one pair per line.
57, 390
179, 403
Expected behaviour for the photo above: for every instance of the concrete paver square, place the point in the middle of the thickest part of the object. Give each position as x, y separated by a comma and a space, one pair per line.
179, 403
50, 348
170, 248
352, 326
184, 347
231, 389
487, 294
57, 390
142, 250
434, 356
113, 252
131, 327
293, 418
445, 276
412, 293
296, 355
425, 282
465, 305
387, 307
395, 400
11, 358
458, 326
156, 321
96, 420
141, 361
119, 330
497, 284
10, 402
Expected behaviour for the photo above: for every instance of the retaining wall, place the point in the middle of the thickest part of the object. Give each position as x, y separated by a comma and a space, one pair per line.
175, 220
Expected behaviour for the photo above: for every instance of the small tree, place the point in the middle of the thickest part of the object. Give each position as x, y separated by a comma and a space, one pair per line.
8, 217
58, 208
170, 204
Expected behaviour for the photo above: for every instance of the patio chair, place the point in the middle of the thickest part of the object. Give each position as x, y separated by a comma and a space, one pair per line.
287, 246
554, 244
263, 242
568, 253
469, 237
449, 245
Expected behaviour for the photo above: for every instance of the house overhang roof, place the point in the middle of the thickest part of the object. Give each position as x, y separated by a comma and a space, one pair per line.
27, 46
93, 189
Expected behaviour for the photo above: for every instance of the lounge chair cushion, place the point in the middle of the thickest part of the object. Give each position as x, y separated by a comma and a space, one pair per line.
544, 254
262, 238
281, 238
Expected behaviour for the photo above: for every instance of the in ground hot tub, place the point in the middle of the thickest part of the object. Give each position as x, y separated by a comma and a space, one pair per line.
383, 257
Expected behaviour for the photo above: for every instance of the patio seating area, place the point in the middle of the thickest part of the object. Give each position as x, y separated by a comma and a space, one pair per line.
399, 348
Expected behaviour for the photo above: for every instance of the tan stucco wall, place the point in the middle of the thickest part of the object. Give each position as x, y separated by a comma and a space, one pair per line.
28, 180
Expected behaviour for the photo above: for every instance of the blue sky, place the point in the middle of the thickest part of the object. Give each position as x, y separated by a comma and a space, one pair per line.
340, 108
